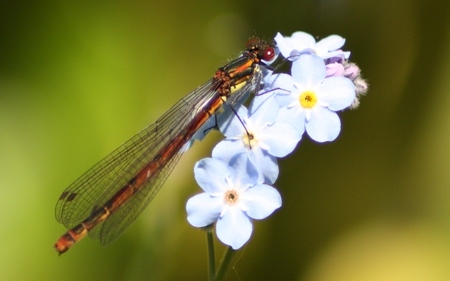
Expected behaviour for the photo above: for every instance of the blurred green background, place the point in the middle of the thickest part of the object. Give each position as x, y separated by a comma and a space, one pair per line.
78, 78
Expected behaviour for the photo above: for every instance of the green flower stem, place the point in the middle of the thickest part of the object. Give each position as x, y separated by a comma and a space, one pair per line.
211, 255
225, 264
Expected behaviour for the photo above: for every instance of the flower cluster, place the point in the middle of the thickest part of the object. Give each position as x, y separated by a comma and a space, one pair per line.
236, 180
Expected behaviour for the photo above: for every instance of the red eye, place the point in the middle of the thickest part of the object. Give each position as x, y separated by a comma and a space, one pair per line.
269, 54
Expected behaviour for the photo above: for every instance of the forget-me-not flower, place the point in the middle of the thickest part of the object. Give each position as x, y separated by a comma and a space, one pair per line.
257, 133
309, 100
233, 197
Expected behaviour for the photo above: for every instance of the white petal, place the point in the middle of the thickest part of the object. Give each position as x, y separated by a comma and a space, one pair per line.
330, 43
261, 201
283, 45
203, 209
262, 115
266, 164
225, 149
281, 139
337, 92
295, 116
309, 71
324, 125
210, 175
301, 40
243, 172
234, 228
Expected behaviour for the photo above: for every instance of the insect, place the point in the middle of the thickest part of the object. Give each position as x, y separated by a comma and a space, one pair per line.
106, 199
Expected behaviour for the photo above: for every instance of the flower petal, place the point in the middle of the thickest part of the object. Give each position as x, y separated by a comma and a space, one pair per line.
226, 148
280, 139
263, 114
337, 92
335, 69
261, 201
324, 125
243, 173
330, 43
281, 86
234, 228
295, 116
209, 174
301, 40
266, 165
283, 45
279, 80
309, 71
203, 209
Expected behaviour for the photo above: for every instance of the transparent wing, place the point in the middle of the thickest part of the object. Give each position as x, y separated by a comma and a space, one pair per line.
105, 178
119, 221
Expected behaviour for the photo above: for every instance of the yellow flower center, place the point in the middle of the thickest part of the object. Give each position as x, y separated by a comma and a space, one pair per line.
231, 197
308, 99
249, 140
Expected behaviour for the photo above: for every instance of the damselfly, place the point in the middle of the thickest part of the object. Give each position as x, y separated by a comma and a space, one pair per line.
110, 196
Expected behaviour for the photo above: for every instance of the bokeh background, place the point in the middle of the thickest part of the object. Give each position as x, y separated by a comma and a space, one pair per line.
78, 78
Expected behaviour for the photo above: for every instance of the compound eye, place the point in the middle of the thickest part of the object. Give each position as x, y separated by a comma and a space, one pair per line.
268, 54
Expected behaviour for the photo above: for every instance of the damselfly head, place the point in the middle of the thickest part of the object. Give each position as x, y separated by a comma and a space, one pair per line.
263, 50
